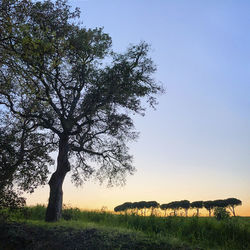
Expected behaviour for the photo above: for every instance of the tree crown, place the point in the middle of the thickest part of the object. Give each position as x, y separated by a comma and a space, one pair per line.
52, 73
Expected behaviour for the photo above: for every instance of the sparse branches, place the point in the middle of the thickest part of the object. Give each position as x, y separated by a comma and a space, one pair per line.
231, 203
24, 158
185, 204
51, 71
197, 205
209, 205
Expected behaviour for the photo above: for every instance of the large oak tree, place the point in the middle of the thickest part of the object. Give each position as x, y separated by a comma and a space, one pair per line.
69, 84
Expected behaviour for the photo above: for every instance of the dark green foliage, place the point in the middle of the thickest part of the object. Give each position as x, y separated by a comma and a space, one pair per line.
26, 236
28, 213
24, 159
69, 213
38, 212
209, 205
123, 207
220, 213
152, 204
185, 204
231, 203
220, 203
35, 213
164, 206
10, 199
136, 206
118, 208
196, 232
141, 204
24, 153
52, 74
197, 205
174, 205
66, 90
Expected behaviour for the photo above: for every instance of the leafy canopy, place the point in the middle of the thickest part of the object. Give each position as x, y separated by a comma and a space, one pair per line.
24, 159
65, 81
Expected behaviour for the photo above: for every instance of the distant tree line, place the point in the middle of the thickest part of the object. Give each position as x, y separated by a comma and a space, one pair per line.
136, 207
142, 207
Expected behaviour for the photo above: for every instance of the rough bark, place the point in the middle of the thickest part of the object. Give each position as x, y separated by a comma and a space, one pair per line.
54, 209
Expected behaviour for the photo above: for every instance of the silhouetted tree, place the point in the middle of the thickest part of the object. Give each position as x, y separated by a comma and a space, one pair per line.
197, 205
119, 208
220, 203
174, 205
209, 205
52, 75
185, 204
137, 206
142, 206
231, 203
152, 205
124, 207
165, 207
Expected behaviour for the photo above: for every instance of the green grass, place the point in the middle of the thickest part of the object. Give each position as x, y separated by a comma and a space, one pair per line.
203, 232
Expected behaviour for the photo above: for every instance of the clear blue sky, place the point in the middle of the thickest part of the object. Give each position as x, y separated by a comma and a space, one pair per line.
196, 144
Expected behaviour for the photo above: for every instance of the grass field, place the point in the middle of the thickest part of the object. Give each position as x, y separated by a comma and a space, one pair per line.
103, 230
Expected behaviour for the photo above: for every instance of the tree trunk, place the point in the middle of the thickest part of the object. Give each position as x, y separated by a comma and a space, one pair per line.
54, 209
152, 211
233, 210
175, 213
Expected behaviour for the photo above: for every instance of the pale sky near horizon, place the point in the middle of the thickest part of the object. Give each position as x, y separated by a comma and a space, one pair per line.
195, 145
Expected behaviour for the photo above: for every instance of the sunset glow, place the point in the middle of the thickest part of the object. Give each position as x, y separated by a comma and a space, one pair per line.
195, 145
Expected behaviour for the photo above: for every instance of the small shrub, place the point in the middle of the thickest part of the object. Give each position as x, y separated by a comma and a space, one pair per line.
69, 213
4, 215
25, 212
221, 213
38, 212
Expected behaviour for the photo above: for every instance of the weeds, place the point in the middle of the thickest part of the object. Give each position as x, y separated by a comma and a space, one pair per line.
204, 232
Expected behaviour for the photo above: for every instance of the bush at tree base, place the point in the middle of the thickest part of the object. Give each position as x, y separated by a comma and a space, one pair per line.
220, 213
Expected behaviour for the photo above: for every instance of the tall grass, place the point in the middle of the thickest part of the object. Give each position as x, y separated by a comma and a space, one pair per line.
233, 233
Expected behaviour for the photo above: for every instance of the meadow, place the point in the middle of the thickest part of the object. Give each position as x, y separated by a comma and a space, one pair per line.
25, 228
